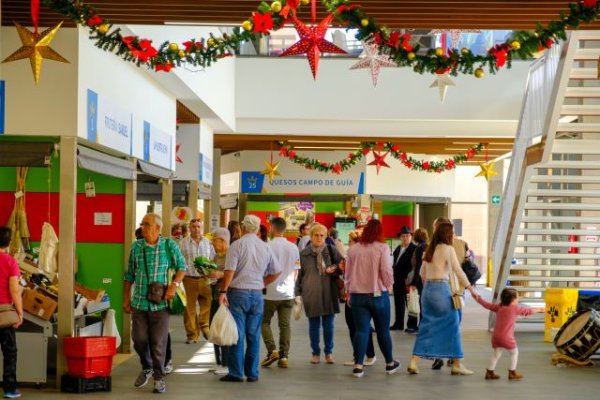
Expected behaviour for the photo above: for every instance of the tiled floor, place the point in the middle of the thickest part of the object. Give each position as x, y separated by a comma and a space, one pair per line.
192, 379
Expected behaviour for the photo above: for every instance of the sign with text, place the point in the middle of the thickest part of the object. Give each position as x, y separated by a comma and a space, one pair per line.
305, 182
158, 147
205, 172
108, 124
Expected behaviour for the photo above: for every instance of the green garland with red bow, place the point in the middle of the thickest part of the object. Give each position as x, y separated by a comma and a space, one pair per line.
202, 52
366, 147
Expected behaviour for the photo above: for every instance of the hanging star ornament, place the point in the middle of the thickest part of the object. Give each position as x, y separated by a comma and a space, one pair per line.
271, 170
487, 170
442, 81
370, 58
312, 42
36, 47
177, 158
379, 161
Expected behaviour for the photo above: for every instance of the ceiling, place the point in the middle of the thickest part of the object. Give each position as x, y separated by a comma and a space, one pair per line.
399, 14
496, 146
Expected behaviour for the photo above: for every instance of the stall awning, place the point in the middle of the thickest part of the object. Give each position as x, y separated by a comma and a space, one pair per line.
412, 199
105, 164
25, 154
154, 170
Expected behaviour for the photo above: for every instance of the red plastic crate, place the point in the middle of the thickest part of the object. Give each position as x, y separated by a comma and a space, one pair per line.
89, 356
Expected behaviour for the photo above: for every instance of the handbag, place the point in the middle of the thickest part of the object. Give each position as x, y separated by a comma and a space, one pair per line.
156, 290
413, 302
471, 271
8, 315
457, 299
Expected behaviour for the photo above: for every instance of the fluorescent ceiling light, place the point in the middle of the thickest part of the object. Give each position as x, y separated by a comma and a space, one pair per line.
324, 148
321, 141
190, 23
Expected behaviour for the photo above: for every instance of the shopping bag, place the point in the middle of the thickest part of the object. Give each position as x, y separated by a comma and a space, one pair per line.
109, 327
413, 302
178, 303
223, 330
297, 309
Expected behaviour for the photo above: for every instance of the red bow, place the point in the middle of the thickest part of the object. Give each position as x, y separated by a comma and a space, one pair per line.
163, 67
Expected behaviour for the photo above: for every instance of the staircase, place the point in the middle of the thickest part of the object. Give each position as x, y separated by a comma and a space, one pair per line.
549, 230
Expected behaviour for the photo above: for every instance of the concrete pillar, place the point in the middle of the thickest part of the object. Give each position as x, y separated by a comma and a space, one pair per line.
192, 202
495, 188
167, 206
130, 227
215, 190
66, 248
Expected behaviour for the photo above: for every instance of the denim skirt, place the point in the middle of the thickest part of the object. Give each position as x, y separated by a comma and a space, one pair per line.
439, 330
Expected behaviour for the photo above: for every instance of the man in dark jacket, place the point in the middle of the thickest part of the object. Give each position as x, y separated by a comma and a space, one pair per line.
402, 266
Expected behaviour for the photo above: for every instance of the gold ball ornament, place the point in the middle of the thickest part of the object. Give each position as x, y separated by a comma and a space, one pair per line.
411, 56
103, 29
464, 51
276, 6
515, 44
304, 2
181, 54
173, 47
439, 51
210, 42
247, 25
479, 73
364, 22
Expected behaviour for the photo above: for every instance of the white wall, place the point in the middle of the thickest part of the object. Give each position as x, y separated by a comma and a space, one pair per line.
127, 86
468, 188
188, 138
286, 99
50, 107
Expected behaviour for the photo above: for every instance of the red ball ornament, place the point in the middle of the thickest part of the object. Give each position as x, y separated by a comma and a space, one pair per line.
426, 165
366, 151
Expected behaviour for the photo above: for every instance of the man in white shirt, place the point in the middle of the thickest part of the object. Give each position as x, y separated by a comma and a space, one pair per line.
304, 236
197, 287
280, 296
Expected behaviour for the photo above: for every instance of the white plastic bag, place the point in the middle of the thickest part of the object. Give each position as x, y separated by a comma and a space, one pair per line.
109, 327
413, 302
223, 330
297, 309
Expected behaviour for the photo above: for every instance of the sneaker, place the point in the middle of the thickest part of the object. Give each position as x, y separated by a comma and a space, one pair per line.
392, 369
438, 363
370, 361
358, 372
143, 377
270, 358
221, 370
349, 363
191, 341
159, 386
411, 330
283, 362
169, 367
12, 395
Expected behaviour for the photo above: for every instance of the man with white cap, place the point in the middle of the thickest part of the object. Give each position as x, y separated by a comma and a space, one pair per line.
250, 265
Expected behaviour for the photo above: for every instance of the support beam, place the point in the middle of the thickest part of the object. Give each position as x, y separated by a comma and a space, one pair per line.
66, 247
130, 226
167, 206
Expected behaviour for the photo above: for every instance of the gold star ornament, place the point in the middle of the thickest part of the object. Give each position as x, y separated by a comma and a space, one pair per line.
271, 170
36, 47
487, 170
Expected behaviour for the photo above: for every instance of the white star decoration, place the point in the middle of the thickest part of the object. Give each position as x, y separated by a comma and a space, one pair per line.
370, 58
442, 81
455, 34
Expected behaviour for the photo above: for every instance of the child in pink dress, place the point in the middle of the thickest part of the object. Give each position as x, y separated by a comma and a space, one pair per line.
503, 336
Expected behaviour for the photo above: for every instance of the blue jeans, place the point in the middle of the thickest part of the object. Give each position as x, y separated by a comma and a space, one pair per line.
314, 327
246, 306
365, 307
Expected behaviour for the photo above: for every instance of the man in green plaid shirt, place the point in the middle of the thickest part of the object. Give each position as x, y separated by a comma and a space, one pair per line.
150, 260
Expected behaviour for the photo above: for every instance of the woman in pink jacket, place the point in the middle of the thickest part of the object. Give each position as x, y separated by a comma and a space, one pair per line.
368, 278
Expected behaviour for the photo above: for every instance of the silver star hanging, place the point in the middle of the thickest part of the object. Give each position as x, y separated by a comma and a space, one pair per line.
455, 34
442, 81
370, 58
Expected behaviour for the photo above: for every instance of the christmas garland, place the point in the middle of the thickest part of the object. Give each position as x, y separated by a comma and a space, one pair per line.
366, 147
203, 52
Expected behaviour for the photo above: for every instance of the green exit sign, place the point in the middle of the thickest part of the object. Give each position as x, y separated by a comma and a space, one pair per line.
496, 199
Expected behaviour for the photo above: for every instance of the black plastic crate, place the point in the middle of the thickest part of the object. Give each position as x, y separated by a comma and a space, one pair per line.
72, 384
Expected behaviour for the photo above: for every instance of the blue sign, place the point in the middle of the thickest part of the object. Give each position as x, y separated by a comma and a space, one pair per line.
289, 182
2, 105
252, 181
205, 169
146, 141
92, 116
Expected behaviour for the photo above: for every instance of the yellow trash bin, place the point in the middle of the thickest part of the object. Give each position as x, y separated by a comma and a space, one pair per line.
560, 305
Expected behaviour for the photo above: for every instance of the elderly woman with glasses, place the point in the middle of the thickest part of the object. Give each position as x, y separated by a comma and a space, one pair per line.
317, 284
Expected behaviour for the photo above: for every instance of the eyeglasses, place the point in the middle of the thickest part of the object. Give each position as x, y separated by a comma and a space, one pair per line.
195, 220
146, 224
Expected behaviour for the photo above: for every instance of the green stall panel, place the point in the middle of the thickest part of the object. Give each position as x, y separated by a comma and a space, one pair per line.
397, 208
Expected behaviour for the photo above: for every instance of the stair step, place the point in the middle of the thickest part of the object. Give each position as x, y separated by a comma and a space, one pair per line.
529, 289
578, 244
553, 267
569, 164
543, 205
569, 109
587, 54
583, 73
584, 92
571, 218
576, 146
556, 256
529, 278
563, 193
559, 232
565, 179
578, 127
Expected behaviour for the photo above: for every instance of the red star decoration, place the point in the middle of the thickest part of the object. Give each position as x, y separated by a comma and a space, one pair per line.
177, 158
312, 42
379, 161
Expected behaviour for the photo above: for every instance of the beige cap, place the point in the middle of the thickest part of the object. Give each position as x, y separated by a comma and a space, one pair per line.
251, 222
